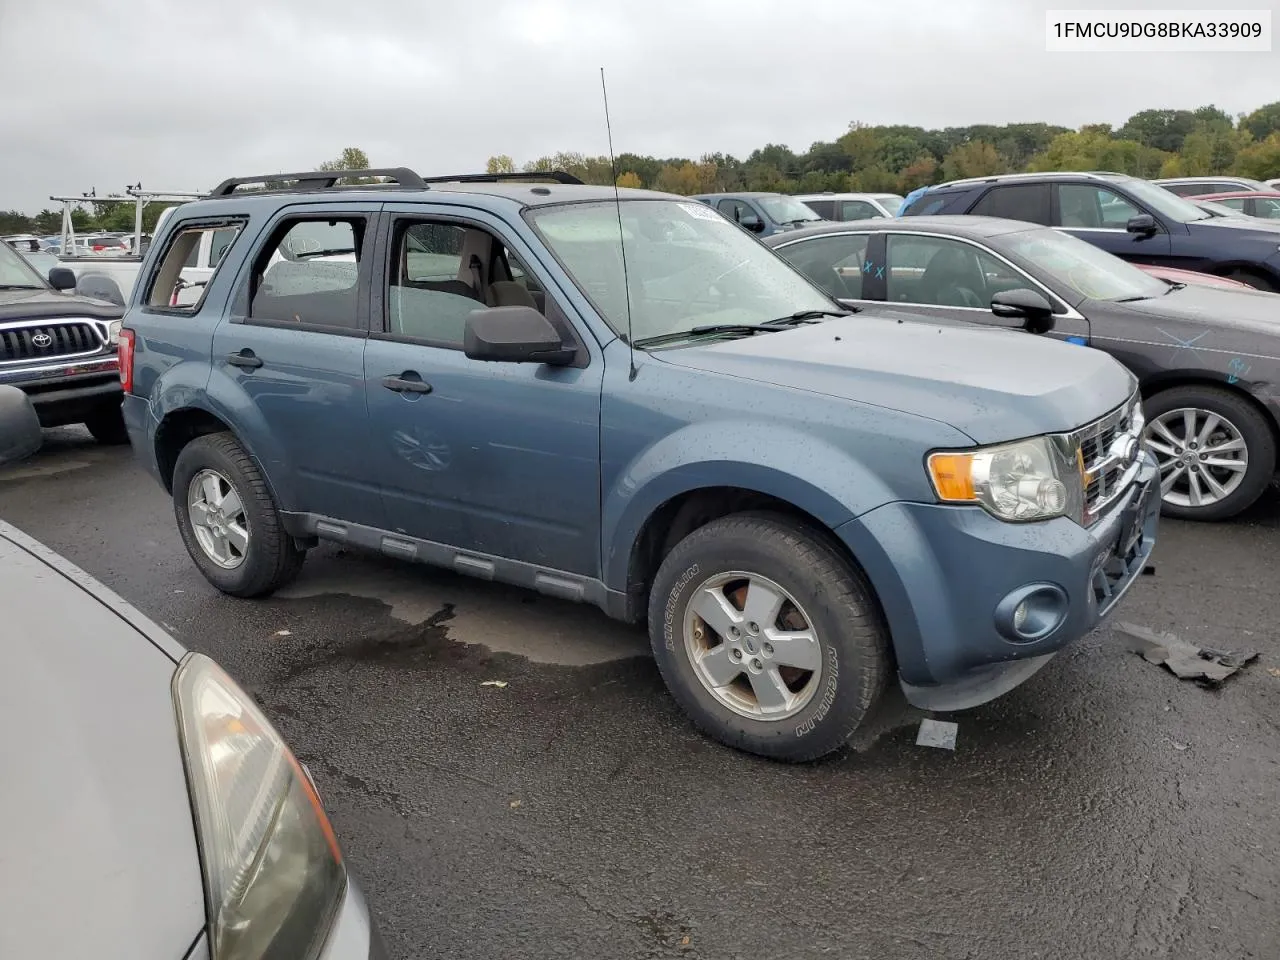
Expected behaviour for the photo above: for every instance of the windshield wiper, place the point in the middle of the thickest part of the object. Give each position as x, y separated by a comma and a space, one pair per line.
1174, 285
322, 253
809, 316
19, 286
747, 329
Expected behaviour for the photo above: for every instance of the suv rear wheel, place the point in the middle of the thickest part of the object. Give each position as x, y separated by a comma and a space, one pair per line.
228, 520
768, 637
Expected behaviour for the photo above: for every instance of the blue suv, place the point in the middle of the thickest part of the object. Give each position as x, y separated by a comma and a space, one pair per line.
623, 399
1132, 218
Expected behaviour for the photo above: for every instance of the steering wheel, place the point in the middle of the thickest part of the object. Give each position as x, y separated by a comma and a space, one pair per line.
969, 298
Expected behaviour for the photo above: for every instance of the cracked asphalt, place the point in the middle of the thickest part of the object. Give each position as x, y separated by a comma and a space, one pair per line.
1104, 809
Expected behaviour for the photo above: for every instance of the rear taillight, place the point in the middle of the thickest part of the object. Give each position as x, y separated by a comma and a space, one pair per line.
124, 351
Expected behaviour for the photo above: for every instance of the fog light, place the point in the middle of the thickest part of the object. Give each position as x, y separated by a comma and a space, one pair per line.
1031, 613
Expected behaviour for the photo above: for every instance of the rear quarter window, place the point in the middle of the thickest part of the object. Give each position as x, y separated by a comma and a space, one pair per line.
178, 284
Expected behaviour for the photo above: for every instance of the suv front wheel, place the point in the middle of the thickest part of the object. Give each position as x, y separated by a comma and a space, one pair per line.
228, 520
768, 637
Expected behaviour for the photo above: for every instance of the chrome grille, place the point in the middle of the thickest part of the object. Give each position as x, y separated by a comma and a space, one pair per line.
51, 340
1102, 444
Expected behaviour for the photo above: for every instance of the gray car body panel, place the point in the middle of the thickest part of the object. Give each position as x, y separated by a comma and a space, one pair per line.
835, 419
99, 837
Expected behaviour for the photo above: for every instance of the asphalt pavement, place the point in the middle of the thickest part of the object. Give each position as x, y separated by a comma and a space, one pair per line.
1104, 809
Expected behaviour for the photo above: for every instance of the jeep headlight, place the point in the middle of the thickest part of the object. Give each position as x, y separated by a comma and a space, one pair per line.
273, 873
1031, 479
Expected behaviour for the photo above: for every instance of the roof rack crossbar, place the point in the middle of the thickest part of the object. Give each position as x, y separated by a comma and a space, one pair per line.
322, 179
555, 176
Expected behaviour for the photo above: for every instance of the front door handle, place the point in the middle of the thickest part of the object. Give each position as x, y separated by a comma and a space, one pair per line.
245, 358
408, 382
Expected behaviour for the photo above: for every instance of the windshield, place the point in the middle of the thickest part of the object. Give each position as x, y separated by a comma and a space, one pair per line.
786, 209
686, 266
16, 272
1088, 270
1166, 203
892, 203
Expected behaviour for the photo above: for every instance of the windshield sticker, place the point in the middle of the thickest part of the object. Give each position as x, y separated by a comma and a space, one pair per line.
700, 211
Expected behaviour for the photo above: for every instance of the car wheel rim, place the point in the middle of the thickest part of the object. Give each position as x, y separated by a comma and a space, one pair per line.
752, 646
218, 519
1202, 455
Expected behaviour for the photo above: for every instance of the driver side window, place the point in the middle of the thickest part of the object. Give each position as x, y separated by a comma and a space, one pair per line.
945, 273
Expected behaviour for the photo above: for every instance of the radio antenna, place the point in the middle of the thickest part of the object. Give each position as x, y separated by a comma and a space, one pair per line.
622, 239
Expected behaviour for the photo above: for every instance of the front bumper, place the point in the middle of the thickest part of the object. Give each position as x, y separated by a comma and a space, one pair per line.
945, 577
65, 393
354, 935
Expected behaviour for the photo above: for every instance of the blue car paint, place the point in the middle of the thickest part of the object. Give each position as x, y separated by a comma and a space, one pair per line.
553, 473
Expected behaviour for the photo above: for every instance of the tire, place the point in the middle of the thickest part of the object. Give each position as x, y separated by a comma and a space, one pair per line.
269, 557
1251, 279
1238, 420
107, 425
826, 592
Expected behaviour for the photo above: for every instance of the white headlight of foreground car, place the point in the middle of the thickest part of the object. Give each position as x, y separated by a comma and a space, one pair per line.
1027, 480
273, 872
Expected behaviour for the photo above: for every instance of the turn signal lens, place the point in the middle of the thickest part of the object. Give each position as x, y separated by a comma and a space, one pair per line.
953, 476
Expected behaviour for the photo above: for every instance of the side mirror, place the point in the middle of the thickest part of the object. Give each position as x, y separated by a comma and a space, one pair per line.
514, 335
752, 223
1035, 312
20, 435
61, 278
1144, 224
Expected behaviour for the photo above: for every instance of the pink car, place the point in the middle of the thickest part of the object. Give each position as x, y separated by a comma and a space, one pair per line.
1175, 275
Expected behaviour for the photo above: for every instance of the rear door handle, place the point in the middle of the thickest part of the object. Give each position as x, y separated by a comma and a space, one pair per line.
408, 382
245, 359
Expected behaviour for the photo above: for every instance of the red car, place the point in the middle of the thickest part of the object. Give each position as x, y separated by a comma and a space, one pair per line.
1174, 275
1264, 204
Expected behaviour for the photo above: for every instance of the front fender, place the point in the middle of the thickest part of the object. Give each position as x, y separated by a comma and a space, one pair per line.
807, 472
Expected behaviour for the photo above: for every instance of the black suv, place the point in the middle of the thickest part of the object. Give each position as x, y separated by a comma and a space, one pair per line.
1132, 218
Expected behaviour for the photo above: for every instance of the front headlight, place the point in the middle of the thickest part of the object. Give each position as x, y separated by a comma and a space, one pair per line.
1031, 479
273, 873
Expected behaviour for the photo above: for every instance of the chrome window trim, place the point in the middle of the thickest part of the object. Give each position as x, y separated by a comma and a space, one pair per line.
1069, 314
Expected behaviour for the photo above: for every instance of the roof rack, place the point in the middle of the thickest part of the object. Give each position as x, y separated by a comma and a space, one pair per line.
555, 176
322, 179
395, 177
1032, 175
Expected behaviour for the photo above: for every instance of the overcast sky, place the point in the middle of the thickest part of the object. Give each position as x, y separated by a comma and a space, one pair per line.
179, 94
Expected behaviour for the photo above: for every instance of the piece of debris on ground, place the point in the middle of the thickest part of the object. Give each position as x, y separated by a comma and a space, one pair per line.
493, 683
1207, 666
937, 733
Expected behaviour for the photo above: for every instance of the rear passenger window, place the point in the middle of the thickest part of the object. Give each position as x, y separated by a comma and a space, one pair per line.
823, 208
309, 272
1021, 201
179, 283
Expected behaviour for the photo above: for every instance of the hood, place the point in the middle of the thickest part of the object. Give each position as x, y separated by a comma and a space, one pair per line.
993, 385
99, 845
42, 302
1242, 310
1247, 224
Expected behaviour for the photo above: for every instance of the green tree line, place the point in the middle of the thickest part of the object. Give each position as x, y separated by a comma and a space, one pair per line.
1151, 143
